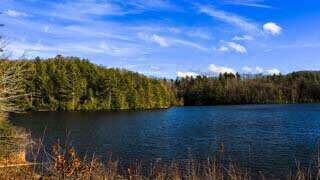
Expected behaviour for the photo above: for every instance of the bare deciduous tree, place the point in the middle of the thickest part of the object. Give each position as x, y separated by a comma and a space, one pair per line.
12, 81
12, 76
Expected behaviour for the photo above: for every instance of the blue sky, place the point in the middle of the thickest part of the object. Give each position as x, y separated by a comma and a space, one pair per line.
169, 38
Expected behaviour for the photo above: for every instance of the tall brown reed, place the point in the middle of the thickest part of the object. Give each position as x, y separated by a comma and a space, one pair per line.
66, 164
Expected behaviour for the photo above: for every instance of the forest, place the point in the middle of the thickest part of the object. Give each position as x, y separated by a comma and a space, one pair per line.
73, 84
296, 87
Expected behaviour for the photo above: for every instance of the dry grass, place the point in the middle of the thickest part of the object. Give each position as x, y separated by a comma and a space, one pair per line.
65, 164
62, 162
13, 142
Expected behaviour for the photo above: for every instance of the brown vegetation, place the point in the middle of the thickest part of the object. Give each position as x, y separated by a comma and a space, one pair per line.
65, 164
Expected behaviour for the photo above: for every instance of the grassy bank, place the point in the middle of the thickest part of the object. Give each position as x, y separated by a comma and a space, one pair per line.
65, 164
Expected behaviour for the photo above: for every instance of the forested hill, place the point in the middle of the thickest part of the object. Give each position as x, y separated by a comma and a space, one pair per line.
298, 87
63, 84
72, 84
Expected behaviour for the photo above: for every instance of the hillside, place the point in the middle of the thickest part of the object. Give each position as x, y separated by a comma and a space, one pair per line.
69, 83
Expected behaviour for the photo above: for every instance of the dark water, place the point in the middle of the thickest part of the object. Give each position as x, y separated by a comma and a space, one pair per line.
268, 138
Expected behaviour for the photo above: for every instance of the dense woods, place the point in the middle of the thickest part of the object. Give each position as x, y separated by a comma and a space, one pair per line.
68, 83
297, 87
71, 84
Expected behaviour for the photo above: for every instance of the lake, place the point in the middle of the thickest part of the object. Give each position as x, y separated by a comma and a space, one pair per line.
267, 138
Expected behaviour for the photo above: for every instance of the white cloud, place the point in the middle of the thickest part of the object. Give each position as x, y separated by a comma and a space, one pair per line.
237, 47
81, 10
213, 70
84, 9
46, 29
259, 69
198, 33
247, 69
243, 38
168, 41
223, 49
190, 44
104, 45
187, 74
249, 3
154, 68
243, 23
272, 28
273, 71
220, 69
231, 46
148, 4
232, 19
14, 13
160, 40
18, 49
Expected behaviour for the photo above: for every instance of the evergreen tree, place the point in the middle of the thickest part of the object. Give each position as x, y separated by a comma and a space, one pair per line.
69, 84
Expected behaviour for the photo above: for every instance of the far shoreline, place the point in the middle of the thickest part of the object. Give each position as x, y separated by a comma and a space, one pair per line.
166, 108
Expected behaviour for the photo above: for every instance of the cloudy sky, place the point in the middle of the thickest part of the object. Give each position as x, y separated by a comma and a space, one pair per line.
169, 38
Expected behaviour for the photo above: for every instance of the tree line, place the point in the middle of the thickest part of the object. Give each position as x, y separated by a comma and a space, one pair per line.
72, 84
297, 87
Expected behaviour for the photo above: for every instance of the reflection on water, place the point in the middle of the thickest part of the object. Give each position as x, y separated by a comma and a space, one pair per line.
266, 138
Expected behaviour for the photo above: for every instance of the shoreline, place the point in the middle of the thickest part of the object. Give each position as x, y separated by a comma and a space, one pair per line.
165, 108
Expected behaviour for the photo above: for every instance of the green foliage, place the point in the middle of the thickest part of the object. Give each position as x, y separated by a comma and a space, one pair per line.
71, 84
298, 87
